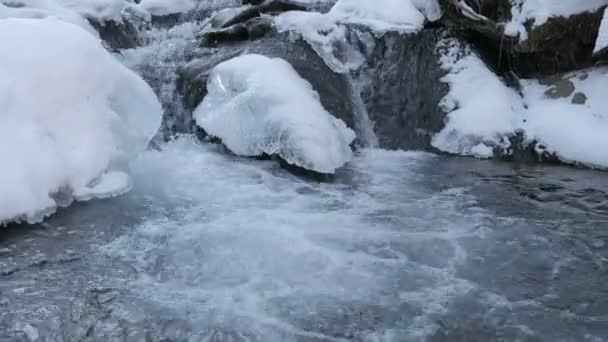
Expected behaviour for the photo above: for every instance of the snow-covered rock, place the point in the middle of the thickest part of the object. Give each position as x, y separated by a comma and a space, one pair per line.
258, 105
540, 11
327, 32
532, 37
71, 115
564, 117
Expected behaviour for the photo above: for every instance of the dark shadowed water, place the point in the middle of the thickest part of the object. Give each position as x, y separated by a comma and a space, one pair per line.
402, 246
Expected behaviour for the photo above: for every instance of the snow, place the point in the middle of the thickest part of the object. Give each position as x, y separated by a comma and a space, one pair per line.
541, 10
258, 105
71, 113
573, 132
380, 16
483, 112
164, 7
602, 38
70, 10
38, 9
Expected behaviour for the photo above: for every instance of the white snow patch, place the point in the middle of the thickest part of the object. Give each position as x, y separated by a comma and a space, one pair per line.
70, 112
258, 105
602, 38
575, 133
40, 9
482, 110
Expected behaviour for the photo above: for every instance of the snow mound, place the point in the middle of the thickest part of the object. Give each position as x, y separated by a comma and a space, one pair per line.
258, 105
71, 114
566, 117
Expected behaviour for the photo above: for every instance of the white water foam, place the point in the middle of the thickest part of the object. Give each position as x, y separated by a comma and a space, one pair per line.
241, 245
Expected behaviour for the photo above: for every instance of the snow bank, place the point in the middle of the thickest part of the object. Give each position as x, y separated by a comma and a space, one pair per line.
70, 115
483, 112
258, 105
541, 10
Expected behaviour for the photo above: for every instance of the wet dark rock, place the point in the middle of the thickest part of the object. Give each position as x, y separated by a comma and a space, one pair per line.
117, 35
252, 29
270, 7
522, 151
559, 45
404, 89
332, 87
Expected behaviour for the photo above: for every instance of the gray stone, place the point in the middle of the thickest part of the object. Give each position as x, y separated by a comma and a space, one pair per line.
404, 90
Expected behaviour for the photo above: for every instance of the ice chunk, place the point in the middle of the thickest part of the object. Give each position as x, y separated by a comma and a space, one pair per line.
110, 184
325, 36
258, 105
70, 112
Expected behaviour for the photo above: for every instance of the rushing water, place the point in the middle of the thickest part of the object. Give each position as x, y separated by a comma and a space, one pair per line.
400, 246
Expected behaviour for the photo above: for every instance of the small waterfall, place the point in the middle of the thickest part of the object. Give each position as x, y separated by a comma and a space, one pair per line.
165, 51
363, 124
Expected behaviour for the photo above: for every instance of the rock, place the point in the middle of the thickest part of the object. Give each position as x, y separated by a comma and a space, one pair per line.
270, 7
558, 45
404, 90
252, 29
117, 35
332, 87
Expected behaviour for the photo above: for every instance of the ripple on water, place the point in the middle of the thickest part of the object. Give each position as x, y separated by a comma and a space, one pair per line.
236, 243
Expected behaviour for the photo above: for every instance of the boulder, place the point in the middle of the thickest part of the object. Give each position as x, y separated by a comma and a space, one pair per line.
403, 89
332, 87
117, 35
558, 45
